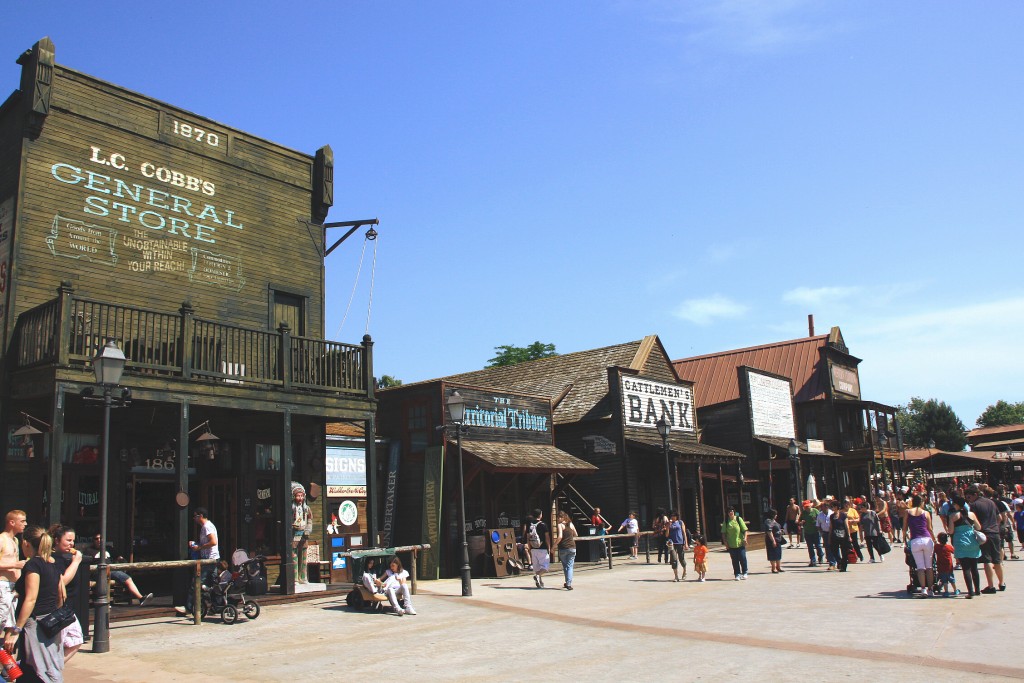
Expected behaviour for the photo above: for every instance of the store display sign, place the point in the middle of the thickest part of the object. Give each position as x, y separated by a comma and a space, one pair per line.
346, 471
771, 405
845, 380
645, 401
338, 562
348, 513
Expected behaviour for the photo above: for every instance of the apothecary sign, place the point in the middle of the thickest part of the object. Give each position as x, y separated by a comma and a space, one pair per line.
645, 401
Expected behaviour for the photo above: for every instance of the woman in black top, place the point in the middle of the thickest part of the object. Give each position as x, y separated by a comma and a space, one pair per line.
839, 536
38, 589
68, 560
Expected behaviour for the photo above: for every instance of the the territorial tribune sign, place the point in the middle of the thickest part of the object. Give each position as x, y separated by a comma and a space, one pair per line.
645, 401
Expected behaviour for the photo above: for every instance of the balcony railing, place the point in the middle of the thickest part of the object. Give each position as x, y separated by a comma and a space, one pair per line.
68, 330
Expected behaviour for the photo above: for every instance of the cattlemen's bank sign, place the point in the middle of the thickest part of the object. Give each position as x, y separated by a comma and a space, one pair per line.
645, 401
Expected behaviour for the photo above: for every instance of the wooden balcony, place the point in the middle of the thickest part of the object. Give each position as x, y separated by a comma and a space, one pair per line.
67, 331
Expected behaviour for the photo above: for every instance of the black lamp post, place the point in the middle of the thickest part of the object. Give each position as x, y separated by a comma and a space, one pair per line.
664, 428
794, 467
108, 364
457, 412
931, 460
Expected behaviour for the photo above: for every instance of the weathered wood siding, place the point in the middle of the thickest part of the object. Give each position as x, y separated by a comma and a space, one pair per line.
125, 197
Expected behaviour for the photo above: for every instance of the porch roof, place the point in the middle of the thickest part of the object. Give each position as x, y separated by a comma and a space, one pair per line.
525, 457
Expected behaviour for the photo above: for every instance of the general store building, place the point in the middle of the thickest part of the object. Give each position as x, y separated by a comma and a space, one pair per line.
198, 249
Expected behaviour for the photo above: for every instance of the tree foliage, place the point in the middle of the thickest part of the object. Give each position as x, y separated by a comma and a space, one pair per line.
511, 355
385, 381
922, 420
1002, 413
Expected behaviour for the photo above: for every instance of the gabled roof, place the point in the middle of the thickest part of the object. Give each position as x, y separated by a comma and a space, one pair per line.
576, 383
716, 380
989, 431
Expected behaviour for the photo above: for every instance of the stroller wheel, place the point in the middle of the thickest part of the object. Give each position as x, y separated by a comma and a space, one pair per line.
251, 609
229, 614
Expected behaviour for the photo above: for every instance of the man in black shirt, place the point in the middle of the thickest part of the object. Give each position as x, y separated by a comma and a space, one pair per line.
992, 549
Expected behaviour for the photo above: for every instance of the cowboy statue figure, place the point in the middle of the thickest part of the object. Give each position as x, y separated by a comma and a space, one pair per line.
302, 526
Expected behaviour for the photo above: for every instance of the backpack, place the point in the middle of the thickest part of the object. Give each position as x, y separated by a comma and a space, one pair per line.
533, 537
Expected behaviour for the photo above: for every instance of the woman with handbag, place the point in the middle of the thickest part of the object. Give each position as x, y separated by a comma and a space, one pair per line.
964, 529
41, 592
68, 560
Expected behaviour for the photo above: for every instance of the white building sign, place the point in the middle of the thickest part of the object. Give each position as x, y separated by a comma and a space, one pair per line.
771, 406
645, 401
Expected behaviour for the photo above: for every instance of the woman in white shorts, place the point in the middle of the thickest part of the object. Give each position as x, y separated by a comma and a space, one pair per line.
917, 527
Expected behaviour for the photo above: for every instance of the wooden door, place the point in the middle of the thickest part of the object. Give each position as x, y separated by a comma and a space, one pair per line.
220, 498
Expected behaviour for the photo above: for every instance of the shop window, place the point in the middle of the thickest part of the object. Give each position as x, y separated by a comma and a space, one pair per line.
265, 516
811, 429
81, 449
268, 457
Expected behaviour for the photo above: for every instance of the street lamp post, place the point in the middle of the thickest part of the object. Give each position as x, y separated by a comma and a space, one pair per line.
931, 460
108, 364
664, 428
457, 412
794, 467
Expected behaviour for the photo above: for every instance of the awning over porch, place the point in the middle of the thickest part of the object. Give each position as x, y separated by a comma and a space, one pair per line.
523, 457
783, 443
688, 451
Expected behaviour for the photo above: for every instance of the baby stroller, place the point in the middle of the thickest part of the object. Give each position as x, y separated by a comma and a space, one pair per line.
228, 596
915, 583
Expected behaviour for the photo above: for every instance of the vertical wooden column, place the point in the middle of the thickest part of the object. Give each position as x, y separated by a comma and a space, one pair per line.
185, 336
285, 495
63, 332
184, 517
56, 446
284, 357
369, 427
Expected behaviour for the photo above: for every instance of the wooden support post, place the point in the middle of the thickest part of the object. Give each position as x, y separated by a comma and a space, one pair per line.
608, 541
647, 547
197, 595
412, 578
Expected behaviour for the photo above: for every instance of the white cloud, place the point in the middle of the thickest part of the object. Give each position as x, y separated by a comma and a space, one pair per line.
705, 311
818, 296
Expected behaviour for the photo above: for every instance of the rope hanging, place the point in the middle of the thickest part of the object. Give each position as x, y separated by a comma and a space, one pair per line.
355, 285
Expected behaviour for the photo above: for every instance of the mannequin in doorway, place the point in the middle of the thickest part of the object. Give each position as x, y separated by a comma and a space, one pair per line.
302, 526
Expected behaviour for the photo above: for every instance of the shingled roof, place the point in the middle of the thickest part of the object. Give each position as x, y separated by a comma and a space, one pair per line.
577, 383
716, 380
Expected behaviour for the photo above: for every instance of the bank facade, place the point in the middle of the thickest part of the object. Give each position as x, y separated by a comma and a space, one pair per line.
198, 249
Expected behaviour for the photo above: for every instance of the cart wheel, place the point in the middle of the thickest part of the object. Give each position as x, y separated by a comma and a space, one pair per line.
230, 614
355, 600
251, 609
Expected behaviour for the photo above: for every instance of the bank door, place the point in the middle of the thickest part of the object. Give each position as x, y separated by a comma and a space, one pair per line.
220, 498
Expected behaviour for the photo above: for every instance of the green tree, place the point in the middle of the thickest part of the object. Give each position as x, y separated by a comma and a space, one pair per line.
510, 355
922, 421
385, 381
1002, 413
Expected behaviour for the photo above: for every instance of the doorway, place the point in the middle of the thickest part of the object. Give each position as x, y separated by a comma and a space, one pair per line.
220, 498
153, 524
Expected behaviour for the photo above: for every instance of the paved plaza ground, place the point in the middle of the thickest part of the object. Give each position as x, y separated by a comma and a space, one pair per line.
631, 623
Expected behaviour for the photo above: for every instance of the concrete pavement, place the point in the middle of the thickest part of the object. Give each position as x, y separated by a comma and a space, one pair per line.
625, 624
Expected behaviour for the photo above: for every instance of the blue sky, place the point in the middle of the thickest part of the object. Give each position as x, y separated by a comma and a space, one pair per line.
587, 173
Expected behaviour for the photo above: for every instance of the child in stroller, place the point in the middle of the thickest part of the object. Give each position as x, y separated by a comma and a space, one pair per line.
228, 596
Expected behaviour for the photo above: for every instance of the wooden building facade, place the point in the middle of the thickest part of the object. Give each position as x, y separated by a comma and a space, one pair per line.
604, 404
199, 250
849, 438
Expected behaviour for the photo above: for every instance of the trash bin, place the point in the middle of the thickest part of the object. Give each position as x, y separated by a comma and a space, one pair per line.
588, 551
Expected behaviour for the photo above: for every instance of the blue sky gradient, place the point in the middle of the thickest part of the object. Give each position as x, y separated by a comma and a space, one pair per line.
586, 173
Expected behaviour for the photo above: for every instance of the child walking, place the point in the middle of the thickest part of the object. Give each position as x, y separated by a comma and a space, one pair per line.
700, 553
944, 565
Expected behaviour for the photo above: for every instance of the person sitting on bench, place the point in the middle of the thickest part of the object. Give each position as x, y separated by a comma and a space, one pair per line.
397, 581
370, 578
118, 576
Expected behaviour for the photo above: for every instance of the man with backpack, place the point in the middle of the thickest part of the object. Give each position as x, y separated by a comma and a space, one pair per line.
538, 538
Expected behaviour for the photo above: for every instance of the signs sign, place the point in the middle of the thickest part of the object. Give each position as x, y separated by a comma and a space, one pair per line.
771, 405
645, 401
346, 472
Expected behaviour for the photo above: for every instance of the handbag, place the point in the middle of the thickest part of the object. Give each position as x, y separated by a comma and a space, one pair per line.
982, 538
57, 620
882, 545
60, 618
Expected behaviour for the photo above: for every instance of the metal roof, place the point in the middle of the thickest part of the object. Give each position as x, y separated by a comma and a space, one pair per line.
716, 380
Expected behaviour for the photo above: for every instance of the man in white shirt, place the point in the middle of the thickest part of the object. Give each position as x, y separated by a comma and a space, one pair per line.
208, 550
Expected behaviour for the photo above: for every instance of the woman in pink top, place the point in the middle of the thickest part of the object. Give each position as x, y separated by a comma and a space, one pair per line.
917, 532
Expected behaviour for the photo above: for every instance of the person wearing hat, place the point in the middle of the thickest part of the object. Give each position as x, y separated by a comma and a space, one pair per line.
809, 519
302, 526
